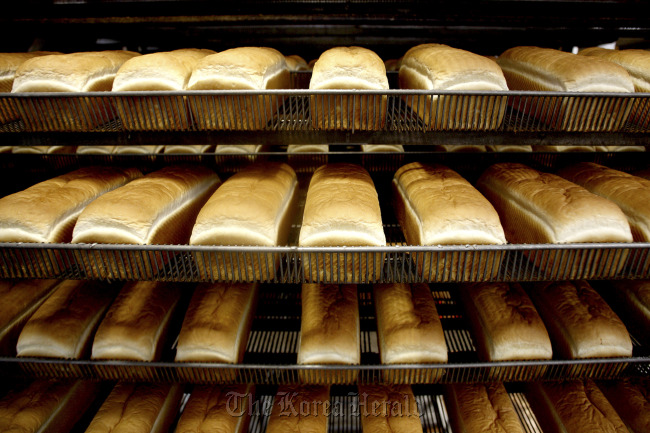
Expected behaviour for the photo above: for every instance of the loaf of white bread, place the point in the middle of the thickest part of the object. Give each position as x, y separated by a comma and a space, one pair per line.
408, 325
630, 193
46, 406
342, 209
287, 417
387, 409
255, 206
164, 70
217, 409
539, 207
579, 321
545, 69
478, 407
433, 202
90, 71
504, 322
573, 406
296, 63
64, 325
441, 67
20, 299
536, 68
138, 408
40, 150
159, 208
252, 207
136, 325
633, 298
348, 68
630, 397
635, 61
48, 211
217, 323
188, 148
329, 325
9, 64
241, 68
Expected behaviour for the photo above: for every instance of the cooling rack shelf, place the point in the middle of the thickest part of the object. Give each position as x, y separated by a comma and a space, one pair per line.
326, 110
271, 354
182, 263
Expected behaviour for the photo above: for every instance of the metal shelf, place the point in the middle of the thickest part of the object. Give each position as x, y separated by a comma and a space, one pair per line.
301, 110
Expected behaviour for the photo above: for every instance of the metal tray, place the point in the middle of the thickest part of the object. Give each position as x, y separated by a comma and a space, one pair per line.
325, 110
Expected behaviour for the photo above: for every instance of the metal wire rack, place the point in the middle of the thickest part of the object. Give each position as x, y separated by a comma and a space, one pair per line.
397, 263
271, 355
325, 110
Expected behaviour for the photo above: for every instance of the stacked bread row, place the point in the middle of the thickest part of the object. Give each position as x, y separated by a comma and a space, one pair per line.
433, 67
75, 319
188, 204
570, 406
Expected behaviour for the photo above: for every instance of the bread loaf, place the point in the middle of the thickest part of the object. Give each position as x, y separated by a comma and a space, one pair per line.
509, 148
633, 297
504, 322
382, 148
9, 64
92, 71
432, 203
441, 67
300, 409
535, 68
241, 68
348, 68
189, 148
579, 322
159, 208
253, 207
298, 148
545, 69
342, 209
635, 62
485, 408
20, 299
166, 70
39, 150
48, 211
138, 408
64, 325
630, 397
408, 325
46, 406
630, 193
95, 150
537, 207
136, 325
573, 406
217, 409
139, 150
387, 409
217, 323
329, 329
296, 63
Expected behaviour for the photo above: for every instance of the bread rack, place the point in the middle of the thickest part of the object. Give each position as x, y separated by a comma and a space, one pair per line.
304, 110
271, 354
